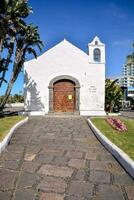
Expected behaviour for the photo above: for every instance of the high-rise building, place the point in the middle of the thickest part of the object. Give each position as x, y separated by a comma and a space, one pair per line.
128, 71
128, 75
127, 79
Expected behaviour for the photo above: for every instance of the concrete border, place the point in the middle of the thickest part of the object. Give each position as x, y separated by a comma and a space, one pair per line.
113, 114
6, 140
32, 113
120, 155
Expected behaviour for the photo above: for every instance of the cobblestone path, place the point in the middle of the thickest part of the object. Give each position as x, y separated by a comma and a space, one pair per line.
54, 158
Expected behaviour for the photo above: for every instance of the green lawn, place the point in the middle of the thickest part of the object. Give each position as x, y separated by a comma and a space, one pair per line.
6, 124
124, 140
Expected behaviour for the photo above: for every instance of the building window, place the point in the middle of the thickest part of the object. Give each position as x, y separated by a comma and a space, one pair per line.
96, 42
97, 55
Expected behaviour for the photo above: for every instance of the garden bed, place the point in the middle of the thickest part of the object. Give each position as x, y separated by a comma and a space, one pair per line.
124, 140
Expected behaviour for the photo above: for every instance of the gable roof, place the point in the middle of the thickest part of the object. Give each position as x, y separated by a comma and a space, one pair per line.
67, 44
63, 46
96, 39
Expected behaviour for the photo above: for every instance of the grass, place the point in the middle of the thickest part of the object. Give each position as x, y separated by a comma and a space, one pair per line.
6, 124
124, 140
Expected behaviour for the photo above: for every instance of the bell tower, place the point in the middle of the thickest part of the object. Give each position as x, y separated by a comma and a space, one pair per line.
96, 51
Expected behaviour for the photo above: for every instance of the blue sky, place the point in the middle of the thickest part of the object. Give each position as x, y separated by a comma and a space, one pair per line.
79, 21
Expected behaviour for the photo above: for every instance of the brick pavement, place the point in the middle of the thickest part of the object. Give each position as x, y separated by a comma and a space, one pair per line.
54, 158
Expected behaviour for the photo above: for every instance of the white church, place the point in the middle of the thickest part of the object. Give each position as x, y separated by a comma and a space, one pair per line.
66, 80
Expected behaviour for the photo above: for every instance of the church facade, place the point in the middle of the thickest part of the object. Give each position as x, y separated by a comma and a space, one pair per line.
66, 80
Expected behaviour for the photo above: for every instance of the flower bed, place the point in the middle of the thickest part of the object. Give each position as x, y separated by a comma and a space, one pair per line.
117, 124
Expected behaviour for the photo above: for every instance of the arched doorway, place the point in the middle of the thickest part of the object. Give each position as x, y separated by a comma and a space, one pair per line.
64, 94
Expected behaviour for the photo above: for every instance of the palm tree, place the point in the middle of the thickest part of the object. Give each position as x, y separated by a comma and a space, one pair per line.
26, 42
12, 14
113, 94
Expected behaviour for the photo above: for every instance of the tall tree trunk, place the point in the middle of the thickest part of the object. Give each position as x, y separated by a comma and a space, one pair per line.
7, 94
1, 46
10, 53
15, 73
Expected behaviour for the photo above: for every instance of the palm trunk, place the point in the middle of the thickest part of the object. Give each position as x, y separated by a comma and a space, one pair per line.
1, 46
7, 94
111, 107
9, 89
10, 53
14, 76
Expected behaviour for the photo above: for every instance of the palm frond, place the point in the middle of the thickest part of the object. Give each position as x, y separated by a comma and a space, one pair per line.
32, 51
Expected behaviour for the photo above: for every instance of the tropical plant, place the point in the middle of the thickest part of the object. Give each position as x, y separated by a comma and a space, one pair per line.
113, 94
16, 98
12, 13
18, 38
26, 42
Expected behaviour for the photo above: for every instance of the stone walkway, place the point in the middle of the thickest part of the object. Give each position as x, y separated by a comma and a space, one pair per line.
129, 113
54, 158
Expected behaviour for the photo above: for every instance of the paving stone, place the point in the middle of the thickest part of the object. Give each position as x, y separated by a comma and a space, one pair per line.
98, 165
91, 156
15, 148
105, 157
27, 180
72, 197
10, 164
24, 195
7, 179
30, 166
130, 192
33, 149
122, 179
51, 196
114, 167
80, 189
53, 152
5, 195
19, 139
52, 184
29, 157
80, 175
60, 161
53, 170
99, 177
74, 154
44, 159
77, 163
12, 155
109, 192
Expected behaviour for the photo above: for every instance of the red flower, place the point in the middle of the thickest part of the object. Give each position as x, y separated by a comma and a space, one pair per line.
116, 123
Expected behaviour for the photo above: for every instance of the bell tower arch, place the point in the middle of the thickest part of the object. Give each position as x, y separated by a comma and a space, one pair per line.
96, 51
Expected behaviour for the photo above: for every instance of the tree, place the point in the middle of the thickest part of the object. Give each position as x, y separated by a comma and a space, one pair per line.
16, 98
113, 94
18, 37
25, 43
12, 13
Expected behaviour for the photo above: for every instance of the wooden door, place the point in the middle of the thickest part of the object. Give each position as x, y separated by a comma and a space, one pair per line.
64, 96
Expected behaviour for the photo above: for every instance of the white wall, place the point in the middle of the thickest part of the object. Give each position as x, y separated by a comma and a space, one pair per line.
64, 59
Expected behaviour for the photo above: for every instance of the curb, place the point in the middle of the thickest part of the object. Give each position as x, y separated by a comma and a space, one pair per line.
120, 155
6, 140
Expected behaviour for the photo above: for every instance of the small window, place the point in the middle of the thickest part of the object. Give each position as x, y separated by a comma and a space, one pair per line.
97, 55
96, 42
